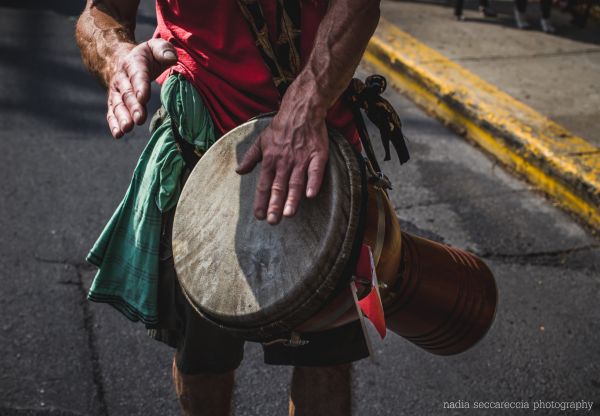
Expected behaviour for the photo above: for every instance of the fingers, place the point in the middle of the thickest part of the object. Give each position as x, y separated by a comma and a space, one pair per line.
251, 158
130, 87
316, 170
155, 56
295, 191
113, 124
162, 51
263, 191
118, 117
279, 192
136, 110
288, 172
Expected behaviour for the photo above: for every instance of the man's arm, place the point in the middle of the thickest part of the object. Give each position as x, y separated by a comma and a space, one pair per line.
294, 148
105, 35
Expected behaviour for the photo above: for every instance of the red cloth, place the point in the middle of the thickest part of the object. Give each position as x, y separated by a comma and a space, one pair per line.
217, 54
371, 304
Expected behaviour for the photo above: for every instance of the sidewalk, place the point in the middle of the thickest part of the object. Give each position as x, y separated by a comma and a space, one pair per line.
530, 99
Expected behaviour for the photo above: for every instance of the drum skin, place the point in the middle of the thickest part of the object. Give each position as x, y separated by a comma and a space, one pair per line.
257, 280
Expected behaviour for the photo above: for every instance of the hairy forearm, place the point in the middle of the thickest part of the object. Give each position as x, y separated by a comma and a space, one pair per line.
339, 45
103, 32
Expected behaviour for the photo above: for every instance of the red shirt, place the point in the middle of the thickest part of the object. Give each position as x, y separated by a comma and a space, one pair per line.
218, 55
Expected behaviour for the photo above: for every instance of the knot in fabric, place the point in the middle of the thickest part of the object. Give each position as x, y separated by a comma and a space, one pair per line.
186, 109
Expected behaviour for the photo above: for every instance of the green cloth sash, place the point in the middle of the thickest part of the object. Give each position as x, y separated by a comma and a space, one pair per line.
127, 251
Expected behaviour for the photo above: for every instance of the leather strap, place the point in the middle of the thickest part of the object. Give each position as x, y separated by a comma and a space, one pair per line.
380, 226
367, 96
283, 58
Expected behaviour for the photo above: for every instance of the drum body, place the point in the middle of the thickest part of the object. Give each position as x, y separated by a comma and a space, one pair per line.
263, 282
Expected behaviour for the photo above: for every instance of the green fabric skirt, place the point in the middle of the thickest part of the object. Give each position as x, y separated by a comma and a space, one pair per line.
127, 251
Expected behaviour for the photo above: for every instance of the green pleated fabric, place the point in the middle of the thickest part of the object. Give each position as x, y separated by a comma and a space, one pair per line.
127, 251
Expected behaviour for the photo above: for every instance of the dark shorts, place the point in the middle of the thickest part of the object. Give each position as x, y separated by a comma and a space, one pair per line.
204, 348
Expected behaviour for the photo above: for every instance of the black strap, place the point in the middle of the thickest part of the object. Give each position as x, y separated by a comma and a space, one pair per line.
367, 96
283, 58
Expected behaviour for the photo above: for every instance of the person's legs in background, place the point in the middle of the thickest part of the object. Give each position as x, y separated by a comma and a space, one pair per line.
484, 8
458, 9
520, 9
546, 7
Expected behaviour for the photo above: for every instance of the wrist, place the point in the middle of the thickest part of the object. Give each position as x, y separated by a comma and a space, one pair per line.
305, 96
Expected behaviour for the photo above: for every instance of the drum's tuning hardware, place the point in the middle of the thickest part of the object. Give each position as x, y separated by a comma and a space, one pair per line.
377, 178
380, 181
295, 340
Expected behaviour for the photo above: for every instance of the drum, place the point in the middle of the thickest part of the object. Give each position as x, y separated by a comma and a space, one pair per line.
264, 282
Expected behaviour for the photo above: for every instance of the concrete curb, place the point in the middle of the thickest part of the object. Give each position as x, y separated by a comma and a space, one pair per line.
564, 166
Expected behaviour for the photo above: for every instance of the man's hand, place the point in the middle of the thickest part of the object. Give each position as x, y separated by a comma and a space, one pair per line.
294, 151
129, 84
294, 148
105, 35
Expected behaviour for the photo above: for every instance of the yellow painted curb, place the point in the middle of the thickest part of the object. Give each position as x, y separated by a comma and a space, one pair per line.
563, 165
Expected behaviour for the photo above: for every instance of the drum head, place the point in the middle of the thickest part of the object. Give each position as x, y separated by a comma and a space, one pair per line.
258, 280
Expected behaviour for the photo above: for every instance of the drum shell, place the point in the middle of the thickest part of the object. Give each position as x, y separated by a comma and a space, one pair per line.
340, 309
445, 299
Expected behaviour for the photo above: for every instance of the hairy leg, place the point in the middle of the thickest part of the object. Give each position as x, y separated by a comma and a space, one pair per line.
203, 394
321, 391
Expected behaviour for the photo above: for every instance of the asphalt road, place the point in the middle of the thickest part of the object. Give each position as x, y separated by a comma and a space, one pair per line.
62, 177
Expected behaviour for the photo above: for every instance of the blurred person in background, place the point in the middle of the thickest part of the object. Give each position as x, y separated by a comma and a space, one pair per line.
580, 10
484, 8
521, 20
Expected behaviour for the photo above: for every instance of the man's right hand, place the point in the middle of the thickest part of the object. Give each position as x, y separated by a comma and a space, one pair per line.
129, 84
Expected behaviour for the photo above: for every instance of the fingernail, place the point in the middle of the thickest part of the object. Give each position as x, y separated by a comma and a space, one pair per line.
288, 210
136, 115
169, 55
272, 218
260, 214
310, 192
115, 131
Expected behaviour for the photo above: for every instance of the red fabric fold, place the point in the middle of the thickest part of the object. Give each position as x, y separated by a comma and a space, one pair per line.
218, 56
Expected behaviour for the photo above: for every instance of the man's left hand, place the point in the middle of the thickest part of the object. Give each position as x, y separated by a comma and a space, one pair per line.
294, 150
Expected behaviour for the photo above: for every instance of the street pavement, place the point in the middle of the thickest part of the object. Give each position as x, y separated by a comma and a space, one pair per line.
555, 74
62, 177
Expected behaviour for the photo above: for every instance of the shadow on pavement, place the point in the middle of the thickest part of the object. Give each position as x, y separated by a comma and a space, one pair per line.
49, 86
64, 7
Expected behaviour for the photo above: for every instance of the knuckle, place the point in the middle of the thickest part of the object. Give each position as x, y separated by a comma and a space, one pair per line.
296, 184
278, 187
292, 199
268, 160
314, 169
263, 187
128, 93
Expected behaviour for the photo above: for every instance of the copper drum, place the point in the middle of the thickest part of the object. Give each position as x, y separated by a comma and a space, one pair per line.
444, 299
263, 282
